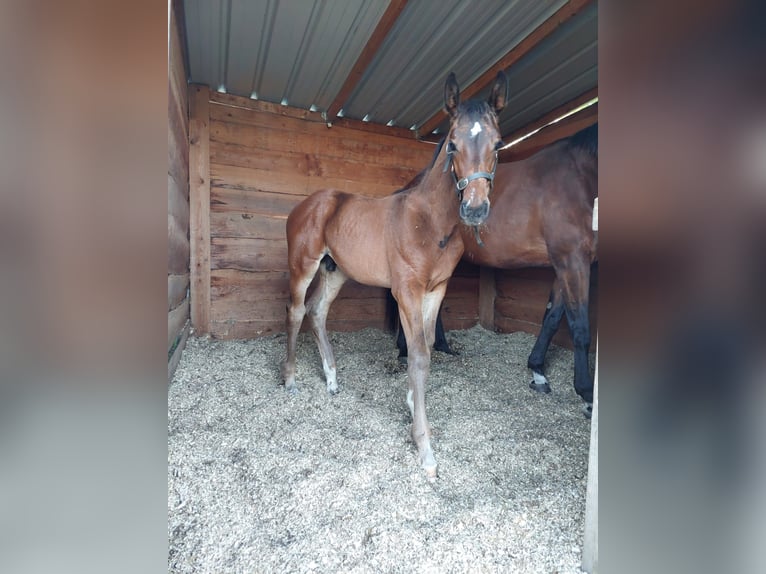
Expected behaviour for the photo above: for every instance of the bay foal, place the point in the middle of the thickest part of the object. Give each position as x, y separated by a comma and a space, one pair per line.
408, 242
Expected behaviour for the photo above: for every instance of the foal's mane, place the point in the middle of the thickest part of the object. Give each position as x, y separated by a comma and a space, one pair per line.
419, 177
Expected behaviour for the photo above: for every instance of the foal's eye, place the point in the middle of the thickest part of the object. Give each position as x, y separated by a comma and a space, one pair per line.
499, 145
451, 148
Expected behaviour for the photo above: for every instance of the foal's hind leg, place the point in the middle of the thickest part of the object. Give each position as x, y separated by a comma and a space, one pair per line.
330, 283
300, 279
551, 320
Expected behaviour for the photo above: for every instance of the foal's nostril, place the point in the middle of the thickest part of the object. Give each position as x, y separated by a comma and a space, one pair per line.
474, 215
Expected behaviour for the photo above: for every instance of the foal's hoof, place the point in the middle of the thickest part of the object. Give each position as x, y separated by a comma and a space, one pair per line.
587, 410
403, 360
332, 390
429, 465
544, 388
291, 388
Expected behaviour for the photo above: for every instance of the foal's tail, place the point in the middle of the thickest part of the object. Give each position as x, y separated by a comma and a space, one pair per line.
392, 313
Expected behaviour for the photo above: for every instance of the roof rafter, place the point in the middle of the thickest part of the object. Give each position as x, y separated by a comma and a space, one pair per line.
366, 56
554, 114
561, 16
549, 134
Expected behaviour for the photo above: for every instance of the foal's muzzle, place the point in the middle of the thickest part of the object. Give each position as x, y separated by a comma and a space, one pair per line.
474, 215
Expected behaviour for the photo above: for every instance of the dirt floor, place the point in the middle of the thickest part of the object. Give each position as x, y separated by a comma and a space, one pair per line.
260, 480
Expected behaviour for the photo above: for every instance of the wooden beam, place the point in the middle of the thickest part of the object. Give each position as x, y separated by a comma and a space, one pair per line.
560, 17
199, 206
377, 37
556, 113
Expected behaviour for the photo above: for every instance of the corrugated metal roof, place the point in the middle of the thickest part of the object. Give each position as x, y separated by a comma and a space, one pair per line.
300, 52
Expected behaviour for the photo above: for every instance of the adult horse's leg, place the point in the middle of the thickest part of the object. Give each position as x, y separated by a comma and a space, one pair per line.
577, 317
576, 283
554, 312
300, 279
411, 314
441, 343
432, 316
331, 279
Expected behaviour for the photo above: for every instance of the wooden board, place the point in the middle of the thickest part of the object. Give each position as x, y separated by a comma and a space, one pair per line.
177, 318
224, 199
199, 203
176, 356
248, 254
245, 224
178, 204
294, 183
371, 309
177, 286
257, 328
313, 126
316, 164
178, 248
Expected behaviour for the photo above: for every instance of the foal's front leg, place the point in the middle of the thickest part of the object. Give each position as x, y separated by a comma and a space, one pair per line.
418, 367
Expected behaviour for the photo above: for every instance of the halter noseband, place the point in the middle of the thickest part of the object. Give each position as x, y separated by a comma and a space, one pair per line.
461, 184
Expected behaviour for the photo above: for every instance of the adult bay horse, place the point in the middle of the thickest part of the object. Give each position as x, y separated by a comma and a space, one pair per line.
407, 242
541, 216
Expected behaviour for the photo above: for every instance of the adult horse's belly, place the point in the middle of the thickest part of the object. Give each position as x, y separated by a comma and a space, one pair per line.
504, 249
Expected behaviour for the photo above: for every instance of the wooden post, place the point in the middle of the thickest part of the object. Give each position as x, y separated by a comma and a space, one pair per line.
590, 542
199, 206
487, 298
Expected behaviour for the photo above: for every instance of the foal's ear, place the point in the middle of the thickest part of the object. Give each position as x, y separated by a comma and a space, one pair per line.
451, 95
498, 96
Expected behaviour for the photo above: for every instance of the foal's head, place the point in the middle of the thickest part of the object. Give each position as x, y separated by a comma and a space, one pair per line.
472, 145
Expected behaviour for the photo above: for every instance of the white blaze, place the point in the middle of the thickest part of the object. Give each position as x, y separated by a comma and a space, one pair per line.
475, 130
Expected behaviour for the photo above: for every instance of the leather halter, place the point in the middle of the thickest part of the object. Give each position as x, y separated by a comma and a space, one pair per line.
461, 184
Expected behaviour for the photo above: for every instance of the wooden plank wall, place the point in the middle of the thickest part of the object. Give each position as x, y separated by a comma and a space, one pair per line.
460, 308
264, 159
178, 196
